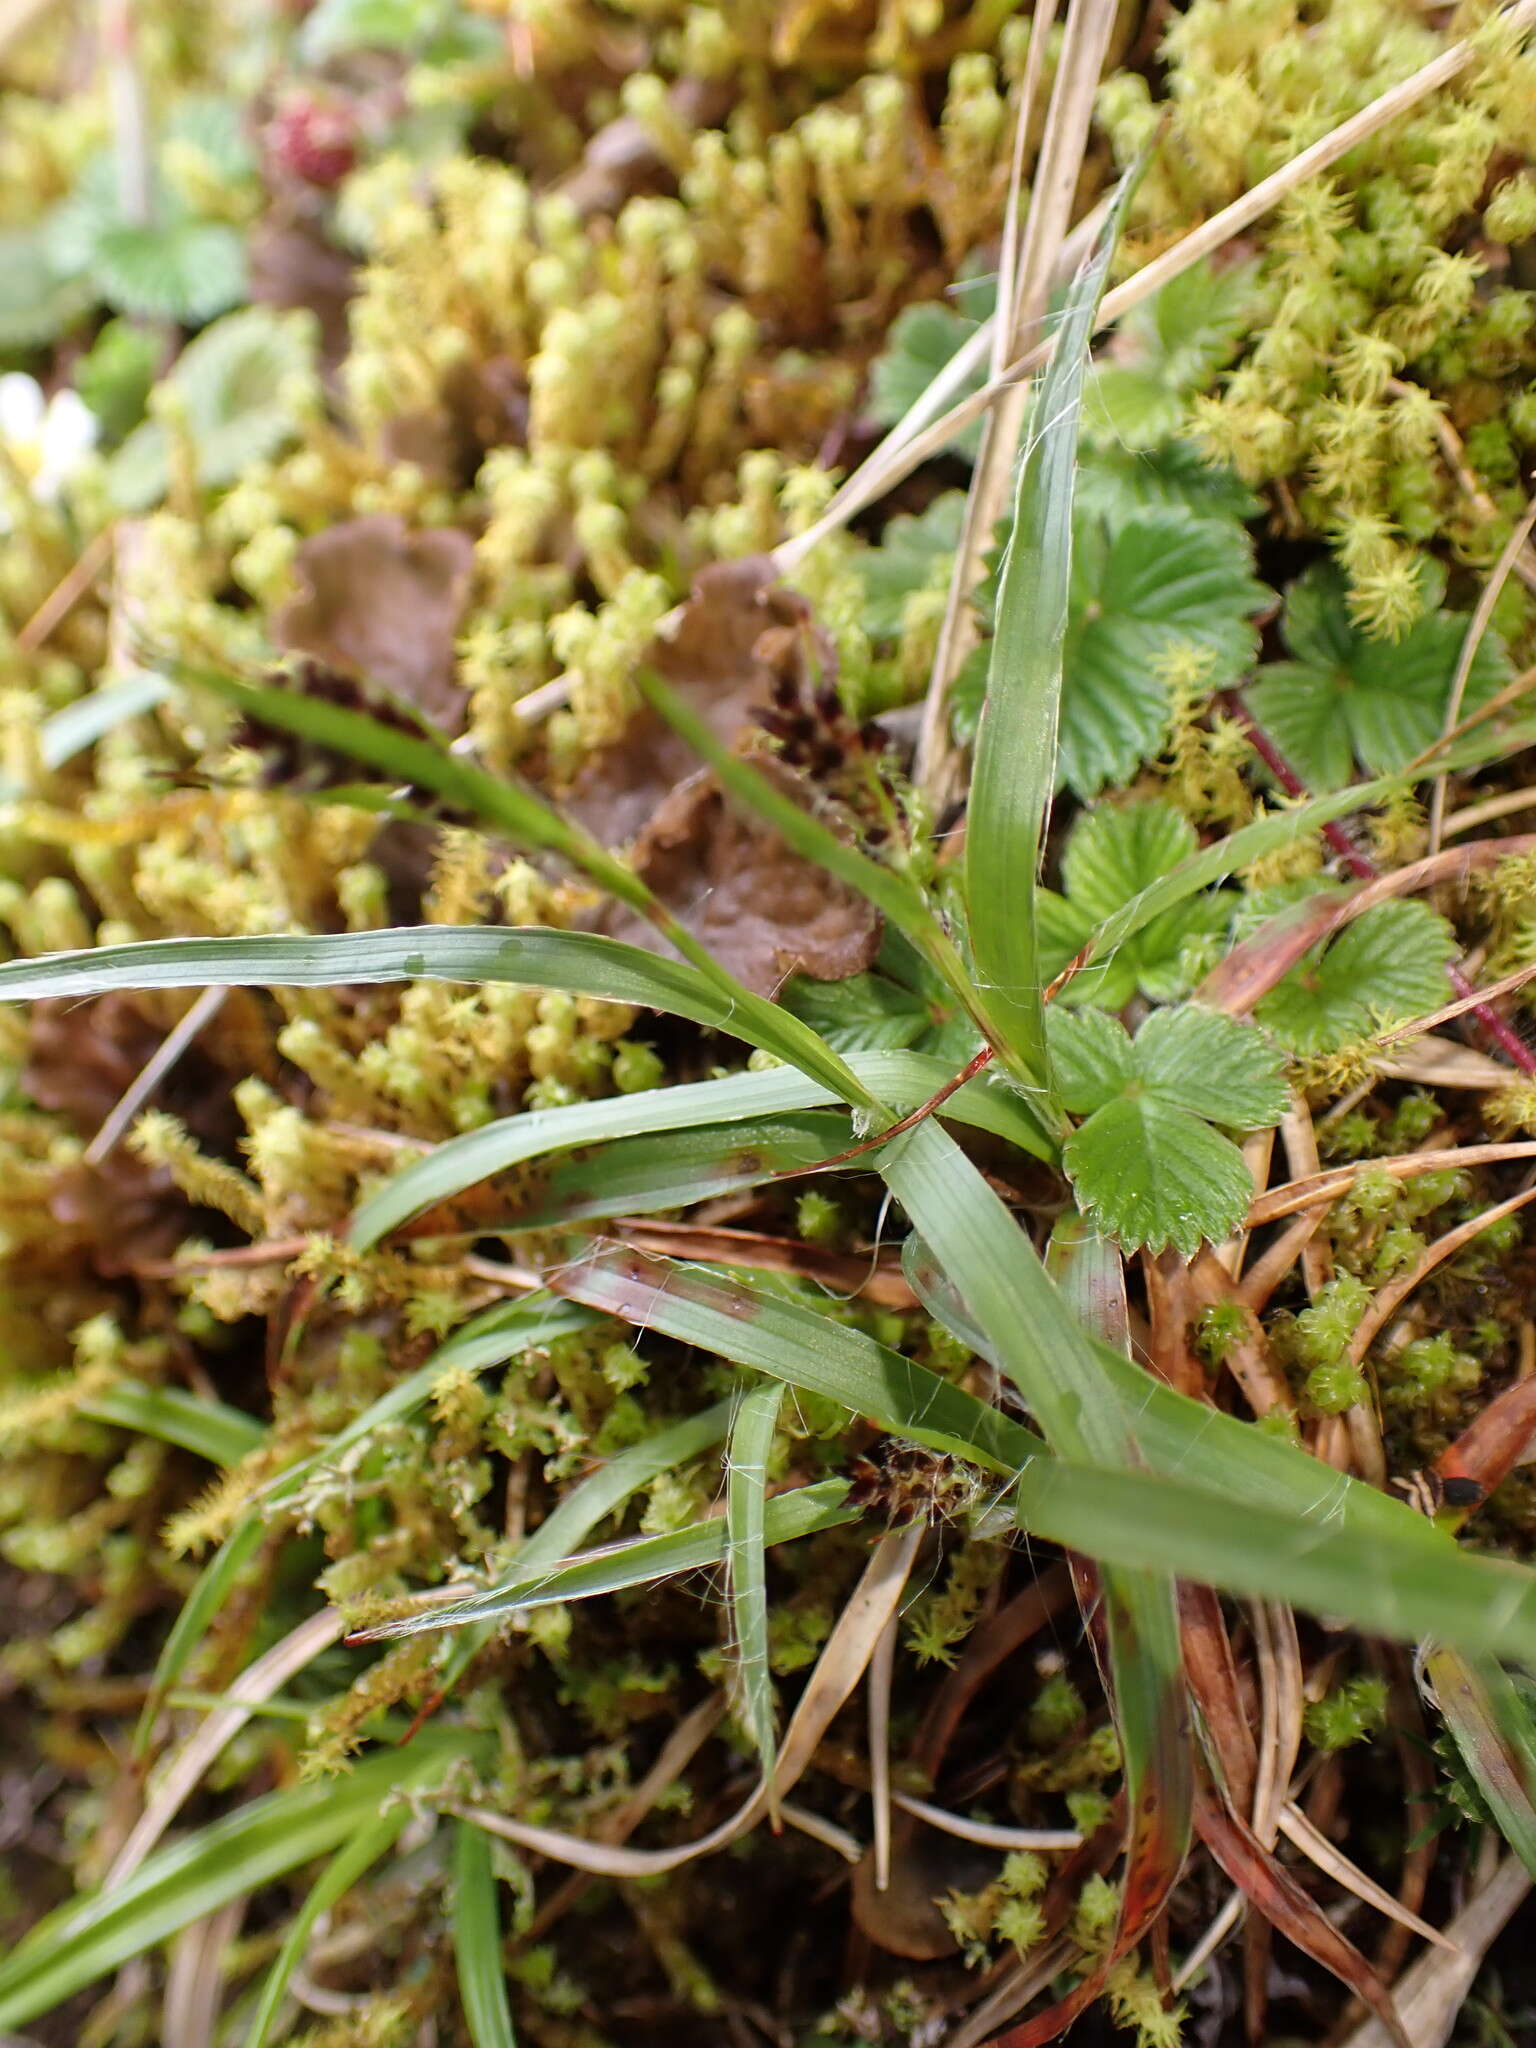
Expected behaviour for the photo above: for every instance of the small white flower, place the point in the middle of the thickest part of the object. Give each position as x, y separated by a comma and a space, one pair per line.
47, 439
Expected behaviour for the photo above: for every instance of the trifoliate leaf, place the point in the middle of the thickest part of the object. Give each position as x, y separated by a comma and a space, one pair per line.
1345, 698
1114, 852
234, 381
39, 295
920, 342
184, 270
866, 1013
916, 552
1141, 587
1147, 1166
1164, 351
1386, 966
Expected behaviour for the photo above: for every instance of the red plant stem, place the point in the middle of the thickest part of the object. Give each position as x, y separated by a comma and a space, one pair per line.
1365, 869
968, 1072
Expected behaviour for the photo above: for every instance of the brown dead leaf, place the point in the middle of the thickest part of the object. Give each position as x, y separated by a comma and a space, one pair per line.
622, 159
81, 1058
741, 639
480, 405
294, 264
382, 602
907, 1917
745, 655
744, 893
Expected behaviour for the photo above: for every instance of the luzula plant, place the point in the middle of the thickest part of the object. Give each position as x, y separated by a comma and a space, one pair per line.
1152, 1483
406, 1244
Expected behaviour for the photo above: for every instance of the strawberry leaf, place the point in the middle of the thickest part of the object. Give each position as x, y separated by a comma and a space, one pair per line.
1147, 1166
1213, 1066
1148, 1174
1346, 698
235, 381
1091, 1059
1388, 965
916, 554
865, 1013
1145, 580
1142, 586
1116, 480
921, 341
1166, 349
1114, 852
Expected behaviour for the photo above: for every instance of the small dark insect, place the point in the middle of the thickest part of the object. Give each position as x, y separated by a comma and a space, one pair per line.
908, 1484
1429, 1492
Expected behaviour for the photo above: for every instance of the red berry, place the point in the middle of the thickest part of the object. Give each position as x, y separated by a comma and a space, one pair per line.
313, 139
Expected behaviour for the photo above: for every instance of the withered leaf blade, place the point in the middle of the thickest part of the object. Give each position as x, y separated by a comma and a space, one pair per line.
1272, 1891
382, 602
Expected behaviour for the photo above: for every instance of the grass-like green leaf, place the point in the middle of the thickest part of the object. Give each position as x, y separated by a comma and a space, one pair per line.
1491, 1722
498, 1334
613, 1483
1056, 1365
477, 1940
215, 1431
583, 963
641, 1561
1402, 1589
1015, 767
1038, 1341
213, 1587
746, 1563
638, 1176
903, 1078
1387, 965
350, 1862
792, 1342
261, 1840
1145, 1655
526, 819
579, 1513
89, 718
